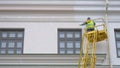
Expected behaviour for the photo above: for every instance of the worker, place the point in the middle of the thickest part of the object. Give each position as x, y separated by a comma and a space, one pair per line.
90, 24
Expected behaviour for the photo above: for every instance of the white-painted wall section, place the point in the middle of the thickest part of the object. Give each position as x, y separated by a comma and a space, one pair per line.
41, 18
40, 38
112, 26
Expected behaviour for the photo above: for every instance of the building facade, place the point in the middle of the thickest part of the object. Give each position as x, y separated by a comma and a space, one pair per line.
47, 34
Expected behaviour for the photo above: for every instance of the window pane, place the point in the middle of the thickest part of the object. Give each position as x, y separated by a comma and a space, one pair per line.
77, 44
4, 34
11, 44
69, 44
19, 45
10, 51
118, 52
118, 44
3, 51
77, 51
62, 44
18, 51
70, 51
62, 35
69, 34
12, 34
3, 44
20, 34
77, 34
62, 51
117, 34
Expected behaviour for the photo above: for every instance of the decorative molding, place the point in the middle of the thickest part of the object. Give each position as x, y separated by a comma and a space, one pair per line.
27, 10
45, 59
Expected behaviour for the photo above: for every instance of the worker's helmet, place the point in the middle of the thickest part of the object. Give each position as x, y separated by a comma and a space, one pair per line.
88, 18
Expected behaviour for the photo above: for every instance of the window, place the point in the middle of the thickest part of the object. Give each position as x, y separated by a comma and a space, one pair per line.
11, 41
117, 36
69, 41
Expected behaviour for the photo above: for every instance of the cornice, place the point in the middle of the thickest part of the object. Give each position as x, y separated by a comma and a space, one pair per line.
45, 5
21, 9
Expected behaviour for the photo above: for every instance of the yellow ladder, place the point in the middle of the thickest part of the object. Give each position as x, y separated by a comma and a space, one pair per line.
87, 57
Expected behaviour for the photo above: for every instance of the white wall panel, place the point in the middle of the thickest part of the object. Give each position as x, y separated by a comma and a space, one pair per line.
40, 38
112, 26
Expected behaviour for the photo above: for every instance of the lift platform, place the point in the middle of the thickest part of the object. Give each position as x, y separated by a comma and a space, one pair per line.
101, 34
89, 40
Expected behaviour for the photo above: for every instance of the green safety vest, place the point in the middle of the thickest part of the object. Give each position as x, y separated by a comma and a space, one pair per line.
90, 24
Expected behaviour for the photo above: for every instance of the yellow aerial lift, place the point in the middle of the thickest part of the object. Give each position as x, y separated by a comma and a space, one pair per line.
87, 58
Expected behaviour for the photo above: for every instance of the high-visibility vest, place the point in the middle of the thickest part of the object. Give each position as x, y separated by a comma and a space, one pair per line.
90, 24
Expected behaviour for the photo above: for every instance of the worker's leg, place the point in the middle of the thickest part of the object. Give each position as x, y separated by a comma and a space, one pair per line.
90, 29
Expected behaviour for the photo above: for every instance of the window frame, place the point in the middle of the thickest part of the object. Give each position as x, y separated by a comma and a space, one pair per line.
14, 39
117, 39
66, 40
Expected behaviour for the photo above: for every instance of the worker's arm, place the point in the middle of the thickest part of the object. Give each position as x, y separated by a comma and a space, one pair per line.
94, 23
83, 24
